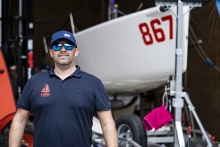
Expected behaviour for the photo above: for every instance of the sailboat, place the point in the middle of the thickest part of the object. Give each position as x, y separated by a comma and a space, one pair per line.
135, 52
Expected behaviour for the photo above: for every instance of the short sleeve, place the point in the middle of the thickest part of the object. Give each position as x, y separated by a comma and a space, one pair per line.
24, 100
102, 101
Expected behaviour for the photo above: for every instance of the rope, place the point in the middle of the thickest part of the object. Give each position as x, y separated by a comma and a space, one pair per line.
204, 9
203, 24
201, 52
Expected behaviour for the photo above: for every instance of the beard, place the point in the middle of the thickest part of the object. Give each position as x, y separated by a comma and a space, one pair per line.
65, 62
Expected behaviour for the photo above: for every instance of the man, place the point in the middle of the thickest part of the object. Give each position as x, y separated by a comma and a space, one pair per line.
64, 101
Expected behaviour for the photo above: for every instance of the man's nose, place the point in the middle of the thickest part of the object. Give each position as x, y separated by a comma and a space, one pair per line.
62, 48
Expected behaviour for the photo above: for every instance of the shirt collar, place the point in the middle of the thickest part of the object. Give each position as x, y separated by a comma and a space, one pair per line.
77, 73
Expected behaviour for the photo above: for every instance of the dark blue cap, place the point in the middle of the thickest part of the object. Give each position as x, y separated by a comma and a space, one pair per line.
63, 35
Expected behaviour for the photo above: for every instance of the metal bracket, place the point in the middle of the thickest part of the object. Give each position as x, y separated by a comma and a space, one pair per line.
178, 103
194, 4
179, 52
172, 87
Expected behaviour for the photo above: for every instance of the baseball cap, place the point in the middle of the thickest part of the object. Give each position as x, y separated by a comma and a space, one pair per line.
63, 35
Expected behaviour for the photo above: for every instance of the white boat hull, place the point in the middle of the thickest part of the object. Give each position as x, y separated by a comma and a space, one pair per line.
132, 53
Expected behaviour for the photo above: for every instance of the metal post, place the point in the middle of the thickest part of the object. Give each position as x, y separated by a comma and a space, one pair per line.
20, 48
112, 10
29, 39
109, 10
72, 24
115, 11
178, 101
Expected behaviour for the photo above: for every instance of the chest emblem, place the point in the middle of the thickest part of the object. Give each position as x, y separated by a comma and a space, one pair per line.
45, 92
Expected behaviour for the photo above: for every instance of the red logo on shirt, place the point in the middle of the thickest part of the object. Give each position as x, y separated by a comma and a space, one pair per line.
45, 92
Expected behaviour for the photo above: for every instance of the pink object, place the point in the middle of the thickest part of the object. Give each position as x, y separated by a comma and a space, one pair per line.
157, 118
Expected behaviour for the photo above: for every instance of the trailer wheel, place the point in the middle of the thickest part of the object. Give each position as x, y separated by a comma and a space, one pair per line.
27, 140
130, 126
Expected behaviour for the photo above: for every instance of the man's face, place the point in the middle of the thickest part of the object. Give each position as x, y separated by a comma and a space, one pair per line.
64, 57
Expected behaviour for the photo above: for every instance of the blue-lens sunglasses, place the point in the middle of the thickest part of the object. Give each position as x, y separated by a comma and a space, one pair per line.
58, 46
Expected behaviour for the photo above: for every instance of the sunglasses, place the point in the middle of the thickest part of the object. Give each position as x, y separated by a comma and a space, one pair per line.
58, 46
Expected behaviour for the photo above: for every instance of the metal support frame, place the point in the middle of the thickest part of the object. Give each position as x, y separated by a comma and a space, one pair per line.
25, 43
99, 140
178, 102
23, 37
192, 109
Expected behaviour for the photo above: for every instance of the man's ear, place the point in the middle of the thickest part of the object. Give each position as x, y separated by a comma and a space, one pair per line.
51, 53
76, 52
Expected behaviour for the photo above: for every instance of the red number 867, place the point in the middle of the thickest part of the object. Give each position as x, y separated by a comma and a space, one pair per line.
157, 32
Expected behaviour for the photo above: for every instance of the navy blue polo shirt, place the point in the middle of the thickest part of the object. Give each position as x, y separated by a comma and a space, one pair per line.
63, 109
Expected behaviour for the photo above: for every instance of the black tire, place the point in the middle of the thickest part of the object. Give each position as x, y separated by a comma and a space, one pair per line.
197, 142
29, 129
5, 134
131, 126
